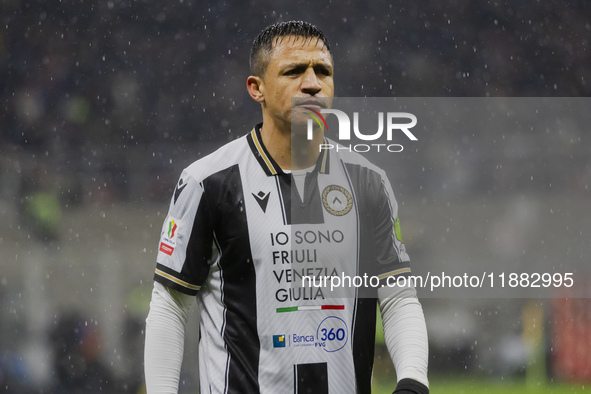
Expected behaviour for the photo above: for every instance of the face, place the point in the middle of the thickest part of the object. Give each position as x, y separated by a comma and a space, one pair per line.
301, 69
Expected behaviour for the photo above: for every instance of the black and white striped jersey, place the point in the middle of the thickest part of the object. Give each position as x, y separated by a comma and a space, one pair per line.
239, 238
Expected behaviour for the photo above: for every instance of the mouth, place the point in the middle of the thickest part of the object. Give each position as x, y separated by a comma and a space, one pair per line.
311, 103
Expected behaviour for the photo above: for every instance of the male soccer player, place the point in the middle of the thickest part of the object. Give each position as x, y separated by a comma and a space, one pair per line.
249, 220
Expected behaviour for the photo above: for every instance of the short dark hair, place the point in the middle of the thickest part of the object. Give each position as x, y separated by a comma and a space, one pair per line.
262, 47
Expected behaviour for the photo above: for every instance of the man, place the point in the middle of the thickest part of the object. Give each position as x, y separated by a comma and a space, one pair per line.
234, 239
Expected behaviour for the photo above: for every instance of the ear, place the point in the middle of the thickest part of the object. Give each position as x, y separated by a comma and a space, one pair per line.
255, 87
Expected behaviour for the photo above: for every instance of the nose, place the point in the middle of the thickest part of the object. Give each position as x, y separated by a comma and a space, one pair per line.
310, 84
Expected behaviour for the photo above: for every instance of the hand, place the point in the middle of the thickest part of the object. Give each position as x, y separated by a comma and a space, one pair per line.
410, 386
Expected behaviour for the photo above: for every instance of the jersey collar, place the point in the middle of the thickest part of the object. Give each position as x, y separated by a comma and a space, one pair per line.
266, 161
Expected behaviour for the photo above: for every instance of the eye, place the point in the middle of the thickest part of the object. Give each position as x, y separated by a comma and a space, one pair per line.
322, 70
294, 71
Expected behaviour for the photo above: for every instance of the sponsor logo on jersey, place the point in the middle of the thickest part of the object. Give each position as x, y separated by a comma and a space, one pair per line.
337, 200
167, 243
331, 335
397, 229
278, 340
164, 248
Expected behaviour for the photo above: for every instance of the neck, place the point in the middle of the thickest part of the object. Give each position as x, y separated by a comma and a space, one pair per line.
291, 151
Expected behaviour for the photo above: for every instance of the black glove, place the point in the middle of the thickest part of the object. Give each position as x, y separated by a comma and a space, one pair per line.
410, 386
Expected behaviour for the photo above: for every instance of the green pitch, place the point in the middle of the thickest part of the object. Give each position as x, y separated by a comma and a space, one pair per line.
481, 386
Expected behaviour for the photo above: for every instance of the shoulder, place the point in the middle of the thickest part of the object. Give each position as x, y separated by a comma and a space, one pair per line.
369, 181
356, 160
226, 156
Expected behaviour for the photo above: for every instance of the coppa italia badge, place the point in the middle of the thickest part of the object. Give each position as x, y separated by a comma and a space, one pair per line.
167, 244
344, 132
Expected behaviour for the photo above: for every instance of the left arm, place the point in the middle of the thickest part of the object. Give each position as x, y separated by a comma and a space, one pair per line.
405, 333
405, 330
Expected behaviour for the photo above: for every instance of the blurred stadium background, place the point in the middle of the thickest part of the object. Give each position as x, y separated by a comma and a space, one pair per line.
103, 103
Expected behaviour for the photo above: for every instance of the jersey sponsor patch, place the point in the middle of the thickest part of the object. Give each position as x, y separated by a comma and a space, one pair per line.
397, 229
168, 243
164, 248
331, 335
278, 340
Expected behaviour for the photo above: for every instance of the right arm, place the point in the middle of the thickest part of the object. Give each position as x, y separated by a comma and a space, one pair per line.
165, 338
184, 252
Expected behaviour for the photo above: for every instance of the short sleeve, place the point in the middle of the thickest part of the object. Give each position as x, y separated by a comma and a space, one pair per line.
392, 258
186, 244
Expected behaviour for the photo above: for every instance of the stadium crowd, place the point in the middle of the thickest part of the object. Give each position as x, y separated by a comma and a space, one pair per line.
85, 85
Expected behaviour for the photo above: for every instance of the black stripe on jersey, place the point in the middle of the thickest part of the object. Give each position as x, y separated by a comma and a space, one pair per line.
308, 211
378, 251
223, 329
226, 198
293, 209
310, 378
365, 240
364, 332
283, 182
377, 255
200, 245
174, 280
